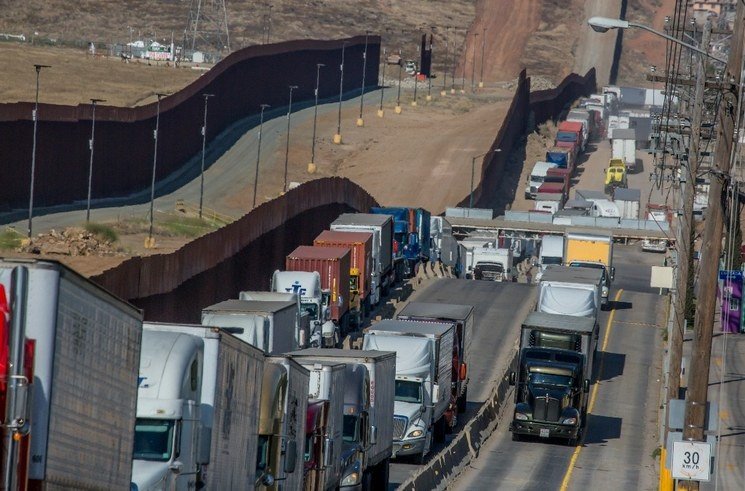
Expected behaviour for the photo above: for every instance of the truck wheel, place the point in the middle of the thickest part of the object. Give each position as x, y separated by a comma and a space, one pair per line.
380, 475
439, 430
420, 459
367, 481
463, 401
516, 437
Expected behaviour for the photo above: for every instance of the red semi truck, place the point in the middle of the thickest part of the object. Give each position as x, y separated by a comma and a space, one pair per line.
570, 132
360, 247
333, 264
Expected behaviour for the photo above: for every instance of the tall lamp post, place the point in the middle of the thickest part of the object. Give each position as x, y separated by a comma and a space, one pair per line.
473, 172
382, 85
35, 117
455, 62
400, 70
447, 61
416, 77
360, 121
337, 136
150, 241
473, 63
483, 49
287, 147
258, 153
312, 164
204, 147
90, 164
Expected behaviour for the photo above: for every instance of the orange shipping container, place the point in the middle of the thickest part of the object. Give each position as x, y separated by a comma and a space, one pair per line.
332, 263
360, 246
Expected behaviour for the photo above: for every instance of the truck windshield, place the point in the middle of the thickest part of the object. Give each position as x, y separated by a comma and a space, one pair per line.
536, 179
351, 432
550, 379
311, 308
153, 439
408, 391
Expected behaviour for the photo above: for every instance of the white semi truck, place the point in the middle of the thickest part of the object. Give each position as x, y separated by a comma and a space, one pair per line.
197, 410
83, 395
368, 410
424, 363
270, 326
572, 291
313, 300
302, 323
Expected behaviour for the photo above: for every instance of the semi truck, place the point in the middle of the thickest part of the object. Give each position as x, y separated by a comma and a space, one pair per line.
332, 264
424, 363
302, 322
381, 226
562, 157
570, 291
360, 248
197, 409
83, 397
269, 326
624, 147
410, 237
553, 377
491, 264
282, 418
591, 250
327, 457
571, 131
368, 410
537, 177
313, 301
462, 317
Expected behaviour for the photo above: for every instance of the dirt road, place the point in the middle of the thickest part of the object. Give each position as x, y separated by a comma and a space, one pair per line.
596, 49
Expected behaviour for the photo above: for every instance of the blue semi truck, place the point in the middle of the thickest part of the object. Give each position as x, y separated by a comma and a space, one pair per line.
411, 238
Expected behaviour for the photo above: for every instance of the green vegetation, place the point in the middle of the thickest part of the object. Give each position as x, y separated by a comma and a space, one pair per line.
186, 226
10, 239
102, 232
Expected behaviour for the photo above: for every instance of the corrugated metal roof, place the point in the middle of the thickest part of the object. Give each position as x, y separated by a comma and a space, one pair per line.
625, 194
436, 310
313, 252
233, 305
583, 325
624, 134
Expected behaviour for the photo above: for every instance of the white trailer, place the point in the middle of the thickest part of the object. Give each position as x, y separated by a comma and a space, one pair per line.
270, 326
302, 324
374, 410
568, 290
624, 147
84, 392
627, 201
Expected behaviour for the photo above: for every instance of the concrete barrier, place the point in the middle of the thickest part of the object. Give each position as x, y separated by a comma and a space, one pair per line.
444, 467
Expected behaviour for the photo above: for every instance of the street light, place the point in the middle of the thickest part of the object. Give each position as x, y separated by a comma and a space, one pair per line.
447, 61
400, 69
483, 48
312, 165
150, 242
473, 63
360, 121
337, 136
382, 85
653, 69
473, 172
34, 115
90, 165
258, 152
604, 24
287, 148
204, 146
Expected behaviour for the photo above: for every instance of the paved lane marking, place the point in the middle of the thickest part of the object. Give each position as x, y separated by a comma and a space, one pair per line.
593, 395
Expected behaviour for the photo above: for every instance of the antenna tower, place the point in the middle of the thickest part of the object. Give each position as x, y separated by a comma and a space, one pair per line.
207, 27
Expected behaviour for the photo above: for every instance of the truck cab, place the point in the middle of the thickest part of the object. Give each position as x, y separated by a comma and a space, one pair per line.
167, 425
313, 300
492, 264
537, 177
615, 175
550, 396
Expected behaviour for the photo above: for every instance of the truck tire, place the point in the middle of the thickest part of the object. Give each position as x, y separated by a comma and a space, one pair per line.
463, 401
380, 475
516, 437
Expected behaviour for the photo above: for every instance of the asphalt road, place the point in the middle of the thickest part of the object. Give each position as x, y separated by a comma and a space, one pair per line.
499, 308
620, 437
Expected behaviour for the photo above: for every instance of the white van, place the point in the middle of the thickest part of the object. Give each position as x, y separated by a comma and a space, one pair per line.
536, 178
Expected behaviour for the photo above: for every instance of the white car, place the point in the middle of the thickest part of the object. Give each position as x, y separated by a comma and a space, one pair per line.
654, 245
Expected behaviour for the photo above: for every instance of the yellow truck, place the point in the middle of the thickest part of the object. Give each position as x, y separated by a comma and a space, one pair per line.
591, 250
615, 175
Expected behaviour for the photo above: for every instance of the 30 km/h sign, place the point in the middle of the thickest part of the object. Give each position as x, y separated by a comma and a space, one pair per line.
691, 461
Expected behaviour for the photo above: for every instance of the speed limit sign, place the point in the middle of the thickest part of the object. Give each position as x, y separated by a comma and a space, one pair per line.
691, 461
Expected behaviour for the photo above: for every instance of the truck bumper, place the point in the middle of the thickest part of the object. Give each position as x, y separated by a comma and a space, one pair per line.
544, 430
408, 447
356, 487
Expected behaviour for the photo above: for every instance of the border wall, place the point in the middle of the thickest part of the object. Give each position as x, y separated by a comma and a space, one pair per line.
124, 147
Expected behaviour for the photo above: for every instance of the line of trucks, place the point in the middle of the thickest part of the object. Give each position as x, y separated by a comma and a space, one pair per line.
558, 340
246, 398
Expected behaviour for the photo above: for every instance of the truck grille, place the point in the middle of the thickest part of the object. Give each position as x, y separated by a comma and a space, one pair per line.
547, 409
399, 427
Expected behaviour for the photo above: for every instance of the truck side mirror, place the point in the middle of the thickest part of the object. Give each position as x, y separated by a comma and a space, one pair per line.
176, 466
328, 451
513, 377
290, 456
586, 386
205, 440
435, 394
373, 435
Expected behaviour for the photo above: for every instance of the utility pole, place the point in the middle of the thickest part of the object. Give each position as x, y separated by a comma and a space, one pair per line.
90, 163
688, 193
204, 148
728, 116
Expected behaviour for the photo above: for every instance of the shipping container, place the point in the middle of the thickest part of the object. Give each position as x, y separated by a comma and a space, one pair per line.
360, 247
332, 263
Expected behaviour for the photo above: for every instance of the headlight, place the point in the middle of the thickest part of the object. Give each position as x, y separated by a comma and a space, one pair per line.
415, 434
569, 421
521, 416
605, 291
351, 479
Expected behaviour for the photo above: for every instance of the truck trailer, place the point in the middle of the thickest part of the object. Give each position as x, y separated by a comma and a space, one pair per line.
591, 250
83, 396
